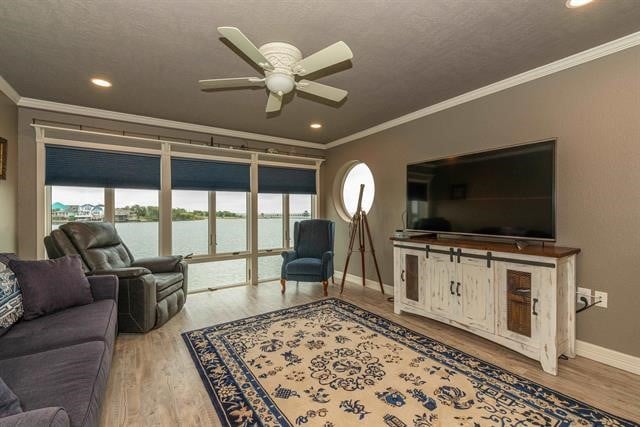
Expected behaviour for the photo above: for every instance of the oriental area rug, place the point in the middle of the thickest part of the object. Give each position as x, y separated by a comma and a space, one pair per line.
331, 364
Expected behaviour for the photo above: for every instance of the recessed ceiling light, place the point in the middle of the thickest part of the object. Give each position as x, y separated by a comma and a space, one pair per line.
315, 125
101, 82
572, 4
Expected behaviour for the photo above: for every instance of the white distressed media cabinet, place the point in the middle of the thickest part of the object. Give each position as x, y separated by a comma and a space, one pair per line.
521, 299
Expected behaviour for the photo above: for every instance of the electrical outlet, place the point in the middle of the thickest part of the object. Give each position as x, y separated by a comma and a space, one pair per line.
603, 297
583, 292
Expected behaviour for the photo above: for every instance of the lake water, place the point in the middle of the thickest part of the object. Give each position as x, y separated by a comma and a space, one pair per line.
192, 237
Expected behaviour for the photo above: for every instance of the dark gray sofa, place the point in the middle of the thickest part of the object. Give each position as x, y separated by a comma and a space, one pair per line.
58, 365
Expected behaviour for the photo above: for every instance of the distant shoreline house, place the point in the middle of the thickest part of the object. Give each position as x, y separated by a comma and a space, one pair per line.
87, 212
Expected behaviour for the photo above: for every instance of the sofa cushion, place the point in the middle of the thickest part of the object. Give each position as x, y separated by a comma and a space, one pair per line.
91, 322
10, 295
44, 417
305, 267
73, 378
51, 285
9, 402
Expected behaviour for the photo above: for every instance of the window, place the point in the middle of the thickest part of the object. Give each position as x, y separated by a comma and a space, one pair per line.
218, 274
136, 218
190, 222
357, 174
76, 204
270, 229
231, 221
269, 267
300, 208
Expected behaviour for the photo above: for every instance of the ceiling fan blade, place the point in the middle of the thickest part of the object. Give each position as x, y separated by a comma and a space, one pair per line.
324, 58
274, 103
215, 84
323, 91
241, 41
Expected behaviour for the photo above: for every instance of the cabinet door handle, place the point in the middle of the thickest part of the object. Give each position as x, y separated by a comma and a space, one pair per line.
533, 308
458, 289
451, 288
402, 276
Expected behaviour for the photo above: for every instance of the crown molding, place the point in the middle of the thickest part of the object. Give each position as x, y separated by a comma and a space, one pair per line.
8, 90
58, 107
588, 55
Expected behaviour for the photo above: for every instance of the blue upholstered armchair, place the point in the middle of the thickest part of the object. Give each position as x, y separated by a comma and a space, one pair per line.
311, 259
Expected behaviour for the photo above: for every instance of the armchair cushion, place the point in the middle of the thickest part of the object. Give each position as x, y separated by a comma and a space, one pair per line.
305, 267
161, 264
50, 286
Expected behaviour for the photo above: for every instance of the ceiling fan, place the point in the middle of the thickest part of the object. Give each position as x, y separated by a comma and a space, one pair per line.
281, 63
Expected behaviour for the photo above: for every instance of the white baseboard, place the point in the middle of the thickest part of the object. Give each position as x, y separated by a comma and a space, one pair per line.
619, 360
388, 289
623, 361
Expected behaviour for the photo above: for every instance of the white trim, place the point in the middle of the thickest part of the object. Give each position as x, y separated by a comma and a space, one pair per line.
614, 46
373, 284
161, 141
40, 104
8, 90
623, 361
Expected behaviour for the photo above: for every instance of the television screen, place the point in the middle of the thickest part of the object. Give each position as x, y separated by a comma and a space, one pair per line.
505, 193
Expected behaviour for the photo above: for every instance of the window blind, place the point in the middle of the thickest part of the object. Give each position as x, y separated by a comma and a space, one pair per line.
279, 180
71, 166
209, 175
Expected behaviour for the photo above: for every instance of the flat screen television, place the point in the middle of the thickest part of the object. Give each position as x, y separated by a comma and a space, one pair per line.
507, 193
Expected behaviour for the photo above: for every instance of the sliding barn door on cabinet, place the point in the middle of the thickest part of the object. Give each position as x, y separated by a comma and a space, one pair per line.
442, 283
474, 288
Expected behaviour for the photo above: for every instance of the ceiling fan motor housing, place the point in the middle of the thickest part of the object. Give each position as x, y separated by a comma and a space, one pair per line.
282, 57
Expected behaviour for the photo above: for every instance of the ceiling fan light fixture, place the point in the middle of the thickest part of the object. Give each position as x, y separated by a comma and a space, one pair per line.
572, 4
280, 83
101, 82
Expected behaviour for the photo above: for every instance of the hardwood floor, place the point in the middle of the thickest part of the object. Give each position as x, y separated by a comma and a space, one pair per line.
153, 381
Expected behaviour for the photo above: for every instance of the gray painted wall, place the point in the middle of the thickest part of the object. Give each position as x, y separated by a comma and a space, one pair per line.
27, 157
594, 111
8, 188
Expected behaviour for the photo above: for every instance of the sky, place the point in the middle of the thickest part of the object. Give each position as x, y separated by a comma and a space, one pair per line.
225, 201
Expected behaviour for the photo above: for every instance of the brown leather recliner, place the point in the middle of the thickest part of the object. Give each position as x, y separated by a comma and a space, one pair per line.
152, 290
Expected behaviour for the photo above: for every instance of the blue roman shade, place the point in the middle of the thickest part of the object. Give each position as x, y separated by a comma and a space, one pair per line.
209, 175
97, 168
280, 180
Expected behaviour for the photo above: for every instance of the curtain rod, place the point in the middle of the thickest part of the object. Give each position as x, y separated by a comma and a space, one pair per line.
184, 144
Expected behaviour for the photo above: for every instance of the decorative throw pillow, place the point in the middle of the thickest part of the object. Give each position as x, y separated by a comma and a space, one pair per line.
10, 295
9, 402
52, 285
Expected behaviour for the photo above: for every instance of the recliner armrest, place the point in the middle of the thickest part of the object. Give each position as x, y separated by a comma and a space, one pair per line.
161, 264
104, 287
43, 417
123, 273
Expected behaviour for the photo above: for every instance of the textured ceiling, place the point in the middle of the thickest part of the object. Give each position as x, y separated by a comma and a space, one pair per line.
408, 54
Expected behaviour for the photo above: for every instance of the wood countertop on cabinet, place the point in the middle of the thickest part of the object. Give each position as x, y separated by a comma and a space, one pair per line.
545, 250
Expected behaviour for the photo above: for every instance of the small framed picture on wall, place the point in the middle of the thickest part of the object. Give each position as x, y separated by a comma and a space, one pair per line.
3, 158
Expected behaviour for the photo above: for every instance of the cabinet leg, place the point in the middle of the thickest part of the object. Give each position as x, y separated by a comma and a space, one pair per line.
549, 360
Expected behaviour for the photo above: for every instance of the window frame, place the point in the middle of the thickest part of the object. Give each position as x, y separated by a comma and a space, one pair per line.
338, 197
165, 242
